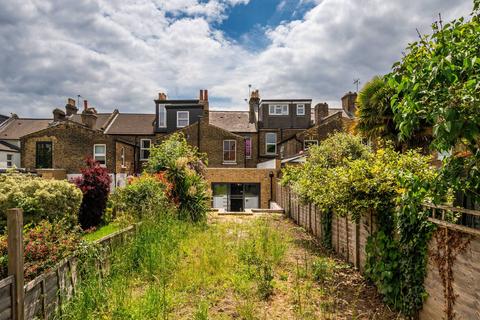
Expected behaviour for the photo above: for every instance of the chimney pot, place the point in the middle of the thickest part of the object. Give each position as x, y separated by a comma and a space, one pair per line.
200, 97
85, 105
162, 96
205, 95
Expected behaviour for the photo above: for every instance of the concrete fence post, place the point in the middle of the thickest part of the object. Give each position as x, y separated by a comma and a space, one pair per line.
15, 259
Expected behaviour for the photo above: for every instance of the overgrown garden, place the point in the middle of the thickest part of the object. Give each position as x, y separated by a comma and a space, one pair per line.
426, 108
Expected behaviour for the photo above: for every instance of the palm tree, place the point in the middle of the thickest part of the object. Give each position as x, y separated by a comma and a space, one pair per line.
374, 113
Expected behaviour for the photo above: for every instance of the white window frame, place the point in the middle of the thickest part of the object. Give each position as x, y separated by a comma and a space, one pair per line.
311, 140
250, 149
235, 151
270, 143
142, 148
162, 110
178, 118
95, 155
300, 107
9, 161
278, 109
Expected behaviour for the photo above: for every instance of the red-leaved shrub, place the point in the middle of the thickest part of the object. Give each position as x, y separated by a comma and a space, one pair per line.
95, 185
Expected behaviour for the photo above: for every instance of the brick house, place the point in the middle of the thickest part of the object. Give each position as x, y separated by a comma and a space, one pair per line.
60, 149
243, 148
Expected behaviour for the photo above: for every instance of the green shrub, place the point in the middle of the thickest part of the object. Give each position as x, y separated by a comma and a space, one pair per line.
45, 245
53, 200
352, 181
184, 167
142, 194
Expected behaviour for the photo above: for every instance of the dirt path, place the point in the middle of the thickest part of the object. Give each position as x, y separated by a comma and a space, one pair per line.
341, 293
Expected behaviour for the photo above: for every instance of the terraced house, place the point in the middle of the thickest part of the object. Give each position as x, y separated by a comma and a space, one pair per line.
245, 149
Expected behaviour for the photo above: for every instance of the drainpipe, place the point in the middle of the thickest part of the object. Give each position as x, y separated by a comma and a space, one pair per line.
198, 132
271, 187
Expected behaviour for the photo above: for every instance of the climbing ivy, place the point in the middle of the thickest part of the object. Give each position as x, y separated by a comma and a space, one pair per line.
388, 184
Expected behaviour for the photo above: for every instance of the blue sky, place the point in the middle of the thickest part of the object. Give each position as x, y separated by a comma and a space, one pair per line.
122, 53
246, 23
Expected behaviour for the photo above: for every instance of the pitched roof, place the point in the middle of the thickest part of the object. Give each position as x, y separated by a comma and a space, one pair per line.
102, 119
8, 147
3, 118
132, 123
233, 121
15, 128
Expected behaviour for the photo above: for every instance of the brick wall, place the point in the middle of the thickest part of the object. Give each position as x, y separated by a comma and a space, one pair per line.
211, 143
129, 153
244, 175
71, 143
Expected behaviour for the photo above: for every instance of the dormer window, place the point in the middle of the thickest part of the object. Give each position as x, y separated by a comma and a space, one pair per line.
278, 110
182, 119
300, 109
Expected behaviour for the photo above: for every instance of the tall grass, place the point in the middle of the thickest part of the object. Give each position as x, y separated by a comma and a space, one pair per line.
140, 269
176, 269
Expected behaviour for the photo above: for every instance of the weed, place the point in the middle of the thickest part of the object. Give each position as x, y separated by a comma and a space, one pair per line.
321, 270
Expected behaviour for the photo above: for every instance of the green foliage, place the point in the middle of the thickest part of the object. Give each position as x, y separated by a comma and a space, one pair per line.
389, 185
322, 270
142, 194
184, 167
53, 200
374, 112
312, 180
45, 244
438, 83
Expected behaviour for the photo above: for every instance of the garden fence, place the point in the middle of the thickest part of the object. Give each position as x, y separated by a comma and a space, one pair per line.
458, 294
42, 297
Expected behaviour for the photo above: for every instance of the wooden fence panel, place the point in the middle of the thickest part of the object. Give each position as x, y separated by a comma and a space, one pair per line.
349, 240
6, 298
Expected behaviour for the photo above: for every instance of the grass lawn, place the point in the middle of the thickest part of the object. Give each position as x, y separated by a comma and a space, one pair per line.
102, 232
232, 268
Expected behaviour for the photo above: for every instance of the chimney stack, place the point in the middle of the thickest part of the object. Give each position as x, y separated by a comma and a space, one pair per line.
253, 105
89, 117
58, 115
321, 112
349, 103
71, 107
203, 99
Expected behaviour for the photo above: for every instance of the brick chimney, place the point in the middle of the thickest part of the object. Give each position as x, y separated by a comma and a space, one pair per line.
203, 99
70, 107
162, 96
89, 117
321, 112
348, 103
58, 115
253, 105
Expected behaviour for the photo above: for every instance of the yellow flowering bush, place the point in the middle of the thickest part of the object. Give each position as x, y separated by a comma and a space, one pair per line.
40, 199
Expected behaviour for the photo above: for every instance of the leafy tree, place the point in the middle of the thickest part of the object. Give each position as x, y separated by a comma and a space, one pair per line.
438, 83
374, 111
95, 185
184, 167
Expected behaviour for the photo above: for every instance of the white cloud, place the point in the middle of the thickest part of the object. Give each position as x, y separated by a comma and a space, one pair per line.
120, 53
